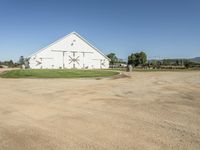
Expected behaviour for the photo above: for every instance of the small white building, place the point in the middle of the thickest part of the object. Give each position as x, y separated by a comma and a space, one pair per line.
71, 51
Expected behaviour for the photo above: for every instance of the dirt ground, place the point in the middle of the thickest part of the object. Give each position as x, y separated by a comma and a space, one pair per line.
136, 111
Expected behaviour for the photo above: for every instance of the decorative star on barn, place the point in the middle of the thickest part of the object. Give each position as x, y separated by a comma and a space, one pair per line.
103, 62
74, 60
38, 62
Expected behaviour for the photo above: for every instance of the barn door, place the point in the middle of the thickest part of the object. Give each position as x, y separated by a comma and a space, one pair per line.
75, 60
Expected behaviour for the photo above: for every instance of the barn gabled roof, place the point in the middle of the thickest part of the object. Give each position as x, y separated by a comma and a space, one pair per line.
75, 33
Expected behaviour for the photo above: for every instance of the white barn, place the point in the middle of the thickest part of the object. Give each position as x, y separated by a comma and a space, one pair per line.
71, 51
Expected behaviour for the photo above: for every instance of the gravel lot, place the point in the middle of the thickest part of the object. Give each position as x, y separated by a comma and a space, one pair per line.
141, 110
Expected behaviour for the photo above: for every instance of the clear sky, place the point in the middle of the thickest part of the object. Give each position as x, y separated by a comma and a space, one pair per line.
161, 28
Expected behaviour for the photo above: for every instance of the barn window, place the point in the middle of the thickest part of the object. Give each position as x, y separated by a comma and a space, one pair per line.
73, 42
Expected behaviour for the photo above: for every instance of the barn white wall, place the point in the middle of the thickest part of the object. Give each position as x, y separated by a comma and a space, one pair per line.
74, 45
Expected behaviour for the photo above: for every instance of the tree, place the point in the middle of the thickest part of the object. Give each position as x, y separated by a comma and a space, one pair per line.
137, 59
113, 58
159, 64
132, 60
187, 64
143, 58
154, 64
9, 63
166, 62
177, 63
21, 60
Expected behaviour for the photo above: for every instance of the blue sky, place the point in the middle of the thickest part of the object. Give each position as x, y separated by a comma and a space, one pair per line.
161, 28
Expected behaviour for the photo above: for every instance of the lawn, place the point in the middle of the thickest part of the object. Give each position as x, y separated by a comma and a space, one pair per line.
57, 73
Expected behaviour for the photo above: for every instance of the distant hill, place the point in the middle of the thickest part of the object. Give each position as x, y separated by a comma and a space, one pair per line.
196, 59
